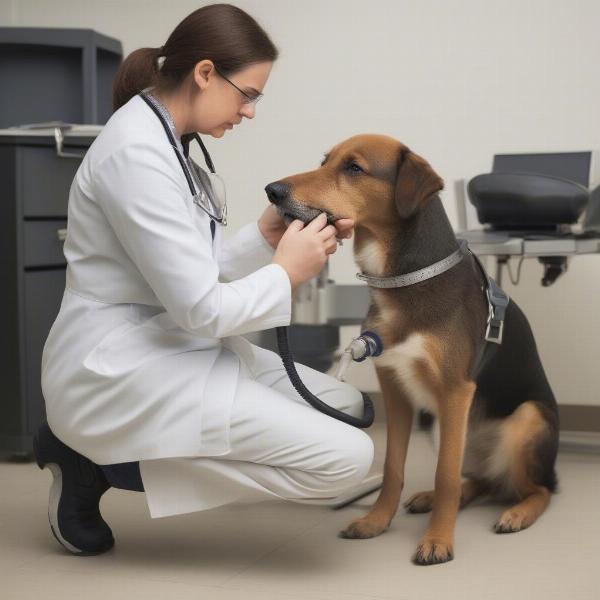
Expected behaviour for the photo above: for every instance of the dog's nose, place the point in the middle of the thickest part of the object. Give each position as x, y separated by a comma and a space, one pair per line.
277, 192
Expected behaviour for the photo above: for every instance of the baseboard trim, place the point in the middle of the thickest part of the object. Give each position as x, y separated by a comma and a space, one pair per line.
579, 417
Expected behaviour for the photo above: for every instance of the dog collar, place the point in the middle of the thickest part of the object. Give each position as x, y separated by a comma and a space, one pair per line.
422, 274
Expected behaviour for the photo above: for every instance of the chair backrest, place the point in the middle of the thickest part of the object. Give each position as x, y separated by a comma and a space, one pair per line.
575, 166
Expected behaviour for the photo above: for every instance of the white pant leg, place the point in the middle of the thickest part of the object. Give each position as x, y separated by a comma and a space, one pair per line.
281, 447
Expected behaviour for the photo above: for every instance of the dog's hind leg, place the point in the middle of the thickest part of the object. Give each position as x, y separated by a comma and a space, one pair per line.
531, 443
525, 513
399, 415
436, 546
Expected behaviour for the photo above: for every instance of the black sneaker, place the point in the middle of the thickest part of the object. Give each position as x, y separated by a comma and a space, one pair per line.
73, 506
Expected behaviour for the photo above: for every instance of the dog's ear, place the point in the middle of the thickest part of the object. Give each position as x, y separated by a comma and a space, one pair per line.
415, 182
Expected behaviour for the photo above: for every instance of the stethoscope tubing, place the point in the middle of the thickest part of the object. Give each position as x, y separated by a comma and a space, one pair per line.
185, 142
172, 142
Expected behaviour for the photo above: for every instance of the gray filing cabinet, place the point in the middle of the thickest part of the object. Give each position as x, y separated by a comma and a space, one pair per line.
35, 183
51, 74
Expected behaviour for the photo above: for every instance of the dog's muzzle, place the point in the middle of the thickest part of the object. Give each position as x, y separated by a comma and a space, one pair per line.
279, 194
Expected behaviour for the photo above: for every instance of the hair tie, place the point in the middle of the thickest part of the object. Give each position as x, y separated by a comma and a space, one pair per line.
160, 51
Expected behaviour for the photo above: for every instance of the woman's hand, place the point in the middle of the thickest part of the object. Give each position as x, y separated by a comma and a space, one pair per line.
272, 226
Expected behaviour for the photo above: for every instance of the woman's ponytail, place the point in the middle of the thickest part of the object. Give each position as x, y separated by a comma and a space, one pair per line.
222, 33
137, 72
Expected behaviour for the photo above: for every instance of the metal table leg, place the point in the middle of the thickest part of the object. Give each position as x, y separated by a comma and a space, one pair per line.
500, 262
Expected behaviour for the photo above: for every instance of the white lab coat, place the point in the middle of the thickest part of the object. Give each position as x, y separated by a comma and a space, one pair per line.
143, 358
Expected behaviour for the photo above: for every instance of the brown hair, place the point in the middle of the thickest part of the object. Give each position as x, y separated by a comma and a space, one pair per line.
223, 33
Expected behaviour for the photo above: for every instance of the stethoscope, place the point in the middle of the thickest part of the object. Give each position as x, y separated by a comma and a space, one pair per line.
208, 189
217, 197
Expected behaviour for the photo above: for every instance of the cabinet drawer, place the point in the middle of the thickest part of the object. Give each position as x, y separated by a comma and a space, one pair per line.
43, 243
44, 180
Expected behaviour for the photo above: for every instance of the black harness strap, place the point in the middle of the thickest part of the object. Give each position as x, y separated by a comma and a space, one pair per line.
497, 302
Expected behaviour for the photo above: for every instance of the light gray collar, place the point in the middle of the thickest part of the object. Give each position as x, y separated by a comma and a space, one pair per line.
420, 275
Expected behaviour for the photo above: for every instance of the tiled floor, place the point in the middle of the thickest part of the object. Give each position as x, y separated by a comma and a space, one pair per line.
284, 550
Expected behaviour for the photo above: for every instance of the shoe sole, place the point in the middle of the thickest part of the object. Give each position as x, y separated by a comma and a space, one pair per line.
53, 502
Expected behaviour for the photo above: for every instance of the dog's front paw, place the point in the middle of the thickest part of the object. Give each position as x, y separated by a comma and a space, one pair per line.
419, 503
433, 551
363, 528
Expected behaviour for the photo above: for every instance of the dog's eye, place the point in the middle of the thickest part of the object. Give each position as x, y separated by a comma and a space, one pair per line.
354, 168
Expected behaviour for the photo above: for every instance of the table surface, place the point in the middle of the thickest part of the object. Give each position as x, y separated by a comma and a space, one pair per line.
498, 243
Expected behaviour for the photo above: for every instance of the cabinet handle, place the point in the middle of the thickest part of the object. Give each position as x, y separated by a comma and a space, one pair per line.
62, 234
59, 139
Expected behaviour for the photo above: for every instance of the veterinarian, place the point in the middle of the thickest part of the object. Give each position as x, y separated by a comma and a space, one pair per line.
145, 363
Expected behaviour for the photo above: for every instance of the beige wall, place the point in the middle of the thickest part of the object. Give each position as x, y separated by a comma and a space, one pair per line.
457, 81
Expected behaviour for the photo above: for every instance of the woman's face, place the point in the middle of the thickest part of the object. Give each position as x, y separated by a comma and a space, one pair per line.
219, 106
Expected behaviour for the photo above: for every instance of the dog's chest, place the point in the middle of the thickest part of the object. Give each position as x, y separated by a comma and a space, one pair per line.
371, 257
402, 359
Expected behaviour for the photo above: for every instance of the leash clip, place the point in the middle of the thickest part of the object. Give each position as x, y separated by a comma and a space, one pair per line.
497, 302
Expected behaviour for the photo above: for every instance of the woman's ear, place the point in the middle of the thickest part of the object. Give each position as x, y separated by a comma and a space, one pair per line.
202, 72
415, 182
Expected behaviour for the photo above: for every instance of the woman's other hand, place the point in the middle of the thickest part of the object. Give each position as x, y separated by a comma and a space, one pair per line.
272, 226
344, 228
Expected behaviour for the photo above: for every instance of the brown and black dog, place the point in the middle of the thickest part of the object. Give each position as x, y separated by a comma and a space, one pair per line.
499, 428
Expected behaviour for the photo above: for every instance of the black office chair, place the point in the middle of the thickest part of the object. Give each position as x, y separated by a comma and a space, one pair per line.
527, 203
534, 196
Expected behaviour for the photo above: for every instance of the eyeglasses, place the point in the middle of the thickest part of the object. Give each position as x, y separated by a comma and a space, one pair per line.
247, 98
